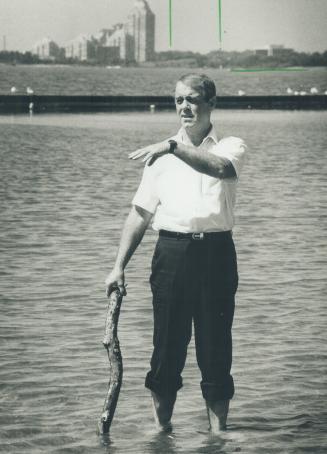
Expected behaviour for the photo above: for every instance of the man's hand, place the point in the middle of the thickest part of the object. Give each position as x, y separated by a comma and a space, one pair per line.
116, 279
151, 152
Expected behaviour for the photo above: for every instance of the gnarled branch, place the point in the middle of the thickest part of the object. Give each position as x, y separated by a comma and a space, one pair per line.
111, 343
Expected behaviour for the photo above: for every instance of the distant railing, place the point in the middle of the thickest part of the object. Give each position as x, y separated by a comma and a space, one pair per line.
52, 103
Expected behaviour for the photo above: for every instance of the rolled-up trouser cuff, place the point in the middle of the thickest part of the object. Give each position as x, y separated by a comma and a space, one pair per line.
214, 392
163, 388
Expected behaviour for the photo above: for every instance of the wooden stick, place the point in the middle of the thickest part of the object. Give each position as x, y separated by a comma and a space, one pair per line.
111, 343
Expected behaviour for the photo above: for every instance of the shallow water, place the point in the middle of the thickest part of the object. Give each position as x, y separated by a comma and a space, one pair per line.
66, 186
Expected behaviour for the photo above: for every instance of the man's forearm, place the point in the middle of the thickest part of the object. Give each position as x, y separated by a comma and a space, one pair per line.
132, 234
200, 160
205, 162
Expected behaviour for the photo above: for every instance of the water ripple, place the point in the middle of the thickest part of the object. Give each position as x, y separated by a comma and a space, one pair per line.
65, 189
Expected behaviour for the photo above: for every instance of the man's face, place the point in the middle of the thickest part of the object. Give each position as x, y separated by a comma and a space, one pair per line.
191, 107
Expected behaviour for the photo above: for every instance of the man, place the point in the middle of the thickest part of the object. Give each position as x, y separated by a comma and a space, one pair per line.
188, 184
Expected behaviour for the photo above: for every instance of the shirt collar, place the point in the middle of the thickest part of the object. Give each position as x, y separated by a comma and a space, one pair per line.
180, 136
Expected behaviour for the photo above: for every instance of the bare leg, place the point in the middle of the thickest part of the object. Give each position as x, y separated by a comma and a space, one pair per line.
163, 409
217, 414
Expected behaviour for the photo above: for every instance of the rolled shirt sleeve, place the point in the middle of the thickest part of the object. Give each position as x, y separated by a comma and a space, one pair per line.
234, 149
146, 195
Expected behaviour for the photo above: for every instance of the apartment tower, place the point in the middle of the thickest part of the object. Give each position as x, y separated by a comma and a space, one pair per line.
141, 25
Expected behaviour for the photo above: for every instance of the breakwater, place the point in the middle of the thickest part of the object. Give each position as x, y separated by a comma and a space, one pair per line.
51, 103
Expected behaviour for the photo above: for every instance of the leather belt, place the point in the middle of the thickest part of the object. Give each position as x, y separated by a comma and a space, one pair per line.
193, 236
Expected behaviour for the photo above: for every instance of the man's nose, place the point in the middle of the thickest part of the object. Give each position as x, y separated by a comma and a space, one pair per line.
186, 104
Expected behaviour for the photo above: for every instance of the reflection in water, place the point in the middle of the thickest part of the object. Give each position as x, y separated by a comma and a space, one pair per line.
161, 442
186, 442
212, 445
107, 443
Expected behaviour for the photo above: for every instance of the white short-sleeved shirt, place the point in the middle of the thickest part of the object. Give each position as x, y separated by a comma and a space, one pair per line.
185, 200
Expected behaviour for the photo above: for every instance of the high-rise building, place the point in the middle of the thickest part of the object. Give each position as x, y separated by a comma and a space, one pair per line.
141, 26
119, 38
46, 49
128, 42
81, 48
105, 52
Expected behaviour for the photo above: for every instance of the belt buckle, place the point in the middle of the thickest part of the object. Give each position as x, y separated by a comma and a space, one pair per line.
197, 236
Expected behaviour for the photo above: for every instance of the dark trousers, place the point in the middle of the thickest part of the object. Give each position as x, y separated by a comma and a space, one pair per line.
193, 280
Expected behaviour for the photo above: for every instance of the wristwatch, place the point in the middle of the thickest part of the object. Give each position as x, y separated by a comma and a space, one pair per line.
173, 146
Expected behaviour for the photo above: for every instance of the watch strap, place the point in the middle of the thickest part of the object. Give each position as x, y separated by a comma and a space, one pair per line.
173, 146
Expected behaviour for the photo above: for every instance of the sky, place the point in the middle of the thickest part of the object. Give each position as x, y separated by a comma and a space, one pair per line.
246, 24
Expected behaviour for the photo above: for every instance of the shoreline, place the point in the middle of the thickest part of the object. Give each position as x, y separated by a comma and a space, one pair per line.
164, 64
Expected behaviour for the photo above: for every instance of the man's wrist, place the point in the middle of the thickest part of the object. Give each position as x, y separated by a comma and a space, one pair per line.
118, 269
172, 146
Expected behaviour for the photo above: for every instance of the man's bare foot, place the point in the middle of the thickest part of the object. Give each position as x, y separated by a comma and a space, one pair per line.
163, 407
217, 414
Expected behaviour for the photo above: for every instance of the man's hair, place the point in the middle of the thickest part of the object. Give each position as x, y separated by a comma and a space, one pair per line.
201, 83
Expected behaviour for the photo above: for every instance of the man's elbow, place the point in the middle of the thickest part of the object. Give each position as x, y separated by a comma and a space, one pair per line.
224, 171
143, 216
229, 171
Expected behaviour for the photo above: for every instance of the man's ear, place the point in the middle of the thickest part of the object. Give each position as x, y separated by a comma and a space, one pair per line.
212, 102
